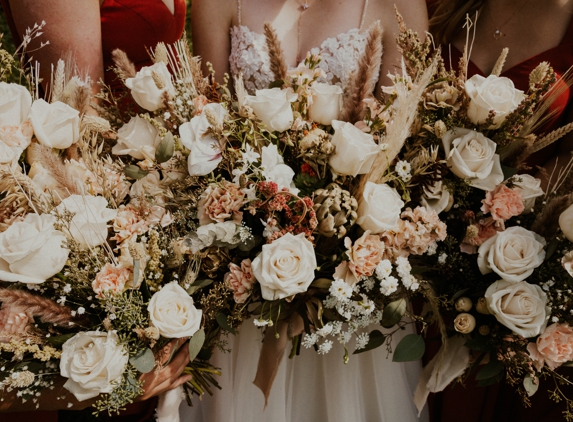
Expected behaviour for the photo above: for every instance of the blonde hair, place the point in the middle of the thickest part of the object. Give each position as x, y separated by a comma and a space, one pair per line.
449, 16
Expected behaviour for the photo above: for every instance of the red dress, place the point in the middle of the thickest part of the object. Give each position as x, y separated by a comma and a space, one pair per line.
133, 26
500, 402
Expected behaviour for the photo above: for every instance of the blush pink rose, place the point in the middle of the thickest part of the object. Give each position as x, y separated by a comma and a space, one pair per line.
111, 278
240, 280
221, 202
555, 345
364, 255
503, 203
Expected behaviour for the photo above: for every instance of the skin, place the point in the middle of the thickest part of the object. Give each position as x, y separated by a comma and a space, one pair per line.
211, 22
161, 379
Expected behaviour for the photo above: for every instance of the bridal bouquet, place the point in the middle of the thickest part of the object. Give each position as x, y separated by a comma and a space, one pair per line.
501, 279
90, 274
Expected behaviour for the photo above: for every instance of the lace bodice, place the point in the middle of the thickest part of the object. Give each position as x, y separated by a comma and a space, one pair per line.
249, 56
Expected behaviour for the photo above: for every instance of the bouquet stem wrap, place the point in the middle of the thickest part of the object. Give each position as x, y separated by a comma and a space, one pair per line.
168, 406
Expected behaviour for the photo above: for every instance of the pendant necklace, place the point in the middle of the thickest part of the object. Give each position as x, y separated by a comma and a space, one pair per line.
497, 33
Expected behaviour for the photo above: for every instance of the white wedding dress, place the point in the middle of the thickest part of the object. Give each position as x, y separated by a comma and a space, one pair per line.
310, 387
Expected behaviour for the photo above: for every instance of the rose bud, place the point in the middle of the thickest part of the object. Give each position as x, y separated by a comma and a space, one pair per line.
465, 323
463, 304
481, 306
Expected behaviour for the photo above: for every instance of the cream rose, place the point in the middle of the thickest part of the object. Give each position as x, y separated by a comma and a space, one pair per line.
149, 86
326, 103
380, 208
56, 125
8, 155
138, 138
520, 306
273, 107
205, 152
566, 223
530, 189
15, 102
495, 93
471, 156
285, 267
464, 323
355, 150
92, 361
91, 215
172, 312
31, 251
437, 197
512, 254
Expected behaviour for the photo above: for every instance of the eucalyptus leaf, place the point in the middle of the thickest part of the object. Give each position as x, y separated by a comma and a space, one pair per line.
376, 340
144, 361
224, 324
508, 171
393, 313
321, 283
199, 284
490, 370
57, 341
530, 385
134, 172
411, 347
165, 148
196, 344
551, 248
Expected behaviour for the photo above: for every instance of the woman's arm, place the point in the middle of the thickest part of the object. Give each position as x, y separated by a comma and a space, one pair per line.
72, 26
211, 22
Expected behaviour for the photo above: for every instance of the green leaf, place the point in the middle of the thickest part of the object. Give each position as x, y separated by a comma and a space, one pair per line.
551, 248
165, 148
276, 84
144, 361
492, 369
198, 284
508, 171
59, 340
530, 385
134, 172
490, 381
393, 313
224, 324
196, 343
411, 347
321, 283
376, 340
459, 294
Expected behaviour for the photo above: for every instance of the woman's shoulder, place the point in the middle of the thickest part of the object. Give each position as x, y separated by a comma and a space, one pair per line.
217, 11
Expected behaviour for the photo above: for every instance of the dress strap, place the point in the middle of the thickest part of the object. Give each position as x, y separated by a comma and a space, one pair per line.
239, 12
364, 9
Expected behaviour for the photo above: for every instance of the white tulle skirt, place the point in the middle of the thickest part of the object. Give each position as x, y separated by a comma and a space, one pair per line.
310, 387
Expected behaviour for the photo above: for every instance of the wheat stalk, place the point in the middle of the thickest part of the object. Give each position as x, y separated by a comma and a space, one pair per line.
498, 68
276, 54
552, 137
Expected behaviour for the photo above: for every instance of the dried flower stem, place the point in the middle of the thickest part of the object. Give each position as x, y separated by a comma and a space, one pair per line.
276, 54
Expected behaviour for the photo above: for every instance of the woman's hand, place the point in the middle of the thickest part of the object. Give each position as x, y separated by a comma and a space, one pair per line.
167, 376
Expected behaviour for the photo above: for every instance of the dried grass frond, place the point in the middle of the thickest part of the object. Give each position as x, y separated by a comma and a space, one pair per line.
547, 224
58, 81
363, 79
551, 137
498, 68
187, 68
160, 54
514, 153
52, 163
538, 74
276, 54
125, 67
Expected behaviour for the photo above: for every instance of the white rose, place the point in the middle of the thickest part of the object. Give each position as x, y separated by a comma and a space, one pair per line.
56, 125
205, 152
566, 223
380, 208
8, 155
326, 103
285, 267
149, 85
355, 150
91, 215
15, 102
530, 189
138, 138
464, 323
437, 197
512, 254
471, 156
495, 93
92, 361
173, 313
521, 306
273, 108
31, 251
275, 170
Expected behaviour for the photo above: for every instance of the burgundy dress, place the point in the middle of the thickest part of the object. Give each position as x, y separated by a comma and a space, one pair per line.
500, 402
133, 26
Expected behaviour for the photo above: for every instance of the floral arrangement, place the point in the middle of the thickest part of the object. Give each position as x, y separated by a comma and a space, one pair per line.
500, 280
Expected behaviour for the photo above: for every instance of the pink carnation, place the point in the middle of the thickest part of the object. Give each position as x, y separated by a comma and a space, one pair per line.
364, 255
240, 280
127, 223
554, 346
111, 278
479, 233
199, 102
220, 203
503, 203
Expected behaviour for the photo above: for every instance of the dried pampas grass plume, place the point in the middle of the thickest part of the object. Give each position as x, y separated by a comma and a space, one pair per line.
53, 164
276, 54
363, 79
125, 67
498, 68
